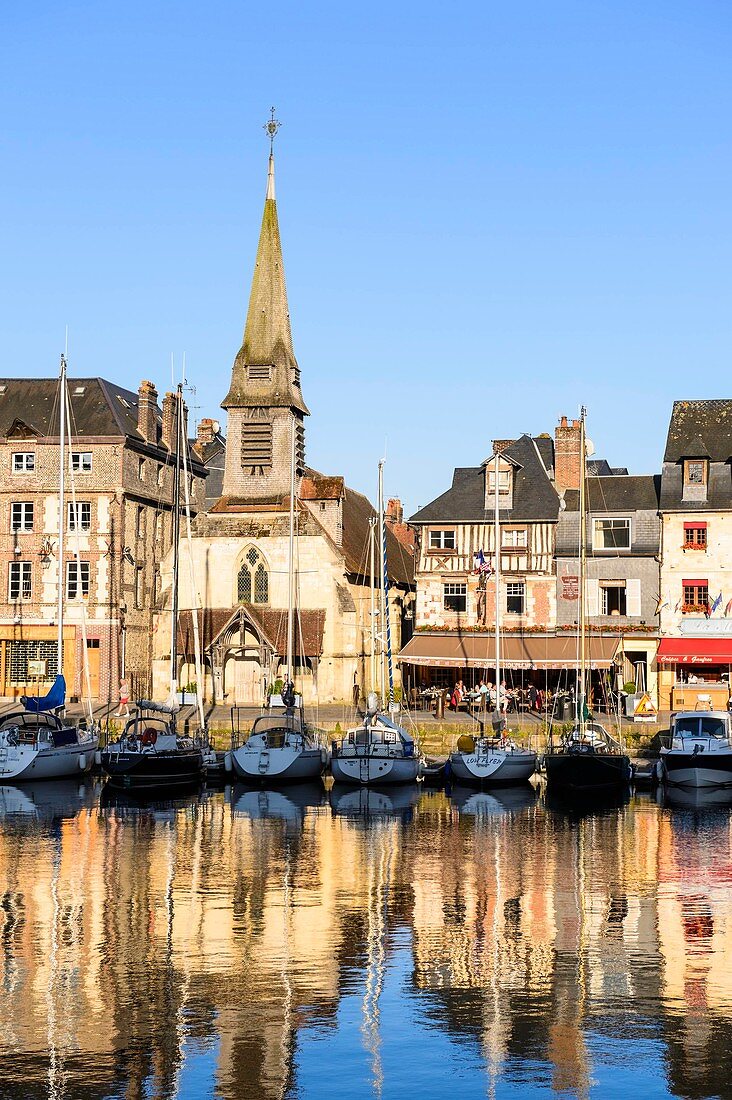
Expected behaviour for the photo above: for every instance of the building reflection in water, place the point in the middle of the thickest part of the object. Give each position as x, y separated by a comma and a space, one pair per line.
225, 945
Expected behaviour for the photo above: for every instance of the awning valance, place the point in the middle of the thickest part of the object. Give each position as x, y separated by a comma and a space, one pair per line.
695, 651
531, 651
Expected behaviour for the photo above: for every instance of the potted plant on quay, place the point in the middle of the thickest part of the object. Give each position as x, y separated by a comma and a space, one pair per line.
188, 695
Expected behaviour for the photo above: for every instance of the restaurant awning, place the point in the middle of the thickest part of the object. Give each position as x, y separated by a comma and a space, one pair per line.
531, 651
695, 651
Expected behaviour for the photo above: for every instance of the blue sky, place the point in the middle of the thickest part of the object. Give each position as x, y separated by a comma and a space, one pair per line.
490, 212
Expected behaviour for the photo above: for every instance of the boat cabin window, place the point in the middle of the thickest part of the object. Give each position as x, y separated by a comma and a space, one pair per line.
702, 725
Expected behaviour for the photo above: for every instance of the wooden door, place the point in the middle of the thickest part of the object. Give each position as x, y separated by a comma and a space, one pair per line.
248, 681
92, 657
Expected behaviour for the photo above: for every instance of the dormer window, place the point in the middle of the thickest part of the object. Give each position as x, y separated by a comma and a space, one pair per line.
695, 471
504, 482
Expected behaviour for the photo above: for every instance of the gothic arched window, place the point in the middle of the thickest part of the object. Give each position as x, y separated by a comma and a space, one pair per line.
252, 582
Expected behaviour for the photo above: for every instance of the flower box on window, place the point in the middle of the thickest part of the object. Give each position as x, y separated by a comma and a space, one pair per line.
694, 608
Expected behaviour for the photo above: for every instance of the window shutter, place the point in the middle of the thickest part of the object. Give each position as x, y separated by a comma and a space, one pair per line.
633, 598
593, 597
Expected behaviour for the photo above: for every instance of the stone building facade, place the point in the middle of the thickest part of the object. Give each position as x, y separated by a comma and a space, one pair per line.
118, 526
696, 552
234, 574
623, 547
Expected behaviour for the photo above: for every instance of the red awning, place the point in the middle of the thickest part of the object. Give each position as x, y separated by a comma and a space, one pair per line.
694, 523
695, 651
530, 652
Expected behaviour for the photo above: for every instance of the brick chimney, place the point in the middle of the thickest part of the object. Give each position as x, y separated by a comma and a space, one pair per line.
168, 420
567, 460
394, 518
147, 401
206, 432
500, 445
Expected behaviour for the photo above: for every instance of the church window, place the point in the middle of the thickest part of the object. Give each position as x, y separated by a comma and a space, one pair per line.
252, 583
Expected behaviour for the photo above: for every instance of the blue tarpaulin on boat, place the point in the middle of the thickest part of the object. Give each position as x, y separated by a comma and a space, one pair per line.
55, 698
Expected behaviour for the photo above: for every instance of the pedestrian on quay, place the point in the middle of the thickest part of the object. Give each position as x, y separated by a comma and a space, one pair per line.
123, 710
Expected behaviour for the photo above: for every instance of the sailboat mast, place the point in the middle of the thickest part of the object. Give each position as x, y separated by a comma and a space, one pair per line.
372, 566
291, 559
497, 569
582, 672
176, 542
61, 518
382, 571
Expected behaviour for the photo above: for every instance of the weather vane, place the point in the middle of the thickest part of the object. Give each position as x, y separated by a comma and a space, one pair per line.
271, 127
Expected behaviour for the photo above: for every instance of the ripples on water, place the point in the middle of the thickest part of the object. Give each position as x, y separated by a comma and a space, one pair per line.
362, 944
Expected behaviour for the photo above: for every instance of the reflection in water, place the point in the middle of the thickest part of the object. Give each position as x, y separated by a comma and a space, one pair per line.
370, 944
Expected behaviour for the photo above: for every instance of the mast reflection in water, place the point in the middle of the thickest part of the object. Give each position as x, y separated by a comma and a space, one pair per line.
304, 944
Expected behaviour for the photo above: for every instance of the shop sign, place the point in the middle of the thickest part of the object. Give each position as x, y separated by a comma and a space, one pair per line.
570, 587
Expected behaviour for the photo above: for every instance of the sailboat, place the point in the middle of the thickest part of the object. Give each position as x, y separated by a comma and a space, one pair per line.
281, 747
379, 750
588, 758
493, 759
150, 754
36, 742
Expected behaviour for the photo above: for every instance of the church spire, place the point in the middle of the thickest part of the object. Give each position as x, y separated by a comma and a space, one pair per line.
265, 371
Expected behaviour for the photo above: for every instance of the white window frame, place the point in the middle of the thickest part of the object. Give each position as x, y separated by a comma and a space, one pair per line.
604, 587
23, 462
438, 540
510, 539
20, 575
504, 482
23, 526
458, 589
520, 587
82, 579
626, 520
76, 512
81, 461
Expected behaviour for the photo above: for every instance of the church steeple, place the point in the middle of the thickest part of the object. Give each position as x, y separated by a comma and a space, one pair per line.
267, 335
264, 396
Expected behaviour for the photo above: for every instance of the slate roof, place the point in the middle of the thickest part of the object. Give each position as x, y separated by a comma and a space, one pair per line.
99, 409
357, 511
534, 497
700, 429
213, 456
618, 493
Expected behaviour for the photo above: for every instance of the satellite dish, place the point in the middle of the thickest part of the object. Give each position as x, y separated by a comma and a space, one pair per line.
589, 447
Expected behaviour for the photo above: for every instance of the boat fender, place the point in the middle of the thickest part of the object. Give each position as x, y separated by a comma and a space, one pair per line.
149, 736
82, 762
227, 762
659, 771
98, 758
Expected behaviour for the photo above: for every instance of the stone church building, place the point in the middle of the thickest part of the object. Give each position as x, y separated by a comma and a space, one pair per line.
236, 570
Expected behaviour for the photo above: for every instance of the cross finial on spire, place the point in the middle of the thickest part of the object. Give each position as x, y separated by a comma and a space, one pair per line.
271, 127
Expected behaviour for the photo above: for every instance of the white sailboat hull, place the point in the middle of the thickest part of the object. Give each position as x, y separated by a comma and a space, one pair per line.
372, 769
21, 762
255, 764
493, 768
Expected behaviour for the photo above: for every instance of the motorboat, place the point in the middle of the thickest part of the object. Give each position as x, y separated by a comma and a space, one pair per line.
491, 761
281, 747
588, 759
42, 745
378, 751
150, 754
700, 753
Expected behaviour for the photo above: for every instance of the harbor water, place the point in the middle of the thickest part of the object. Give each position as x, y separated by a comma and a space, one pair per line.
363, 944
